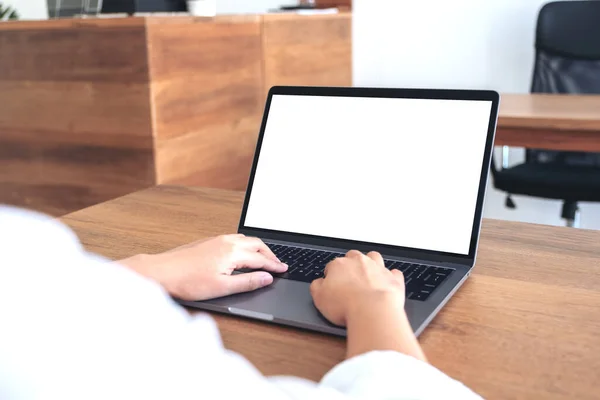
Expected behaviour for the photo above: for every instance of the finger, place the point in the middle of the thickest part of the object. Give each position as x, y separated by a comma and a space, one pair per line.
258, 245
354, 254
256, 260
375, 256
315, 287
398, 275
331, 264
248, 282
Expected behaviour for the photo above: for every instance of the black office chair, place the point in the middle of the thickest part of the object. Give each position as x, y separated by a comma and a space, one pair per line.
567, 61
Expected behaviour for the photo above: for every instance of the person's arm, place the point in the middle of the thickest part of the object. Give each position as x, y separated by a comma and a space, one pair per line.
360, 293
76, 326
383, 354
357, 292
204, 269
381, 324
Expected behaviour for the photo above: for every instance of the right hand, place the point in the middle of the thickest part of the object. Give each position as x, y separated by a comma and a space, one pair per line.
355, 281
204, 269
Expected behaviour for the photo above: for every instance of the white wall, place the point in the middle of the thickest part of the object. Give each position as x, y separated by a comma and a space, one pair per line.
29, 9
249, 6
440, 43
456, 44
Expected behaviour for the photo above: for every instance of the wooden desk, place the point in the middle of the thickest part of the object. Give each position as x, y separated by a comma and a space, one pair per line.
93, 109
525, 325
553, 122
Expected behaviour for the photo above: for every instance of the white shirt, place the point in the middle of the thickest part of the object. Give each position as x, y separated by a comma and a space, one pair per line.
75, 326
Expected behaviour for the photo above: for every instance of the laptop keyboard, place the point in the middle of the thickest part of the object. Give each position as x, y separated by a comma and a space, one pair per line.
306, 265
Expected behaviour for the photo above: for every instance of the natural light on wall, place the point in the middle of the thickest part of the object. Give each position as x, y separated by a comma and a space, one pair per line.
456, 44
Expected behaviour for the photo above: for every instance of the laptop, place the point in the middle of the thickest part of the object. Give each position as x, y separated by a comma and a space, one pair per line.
399, 171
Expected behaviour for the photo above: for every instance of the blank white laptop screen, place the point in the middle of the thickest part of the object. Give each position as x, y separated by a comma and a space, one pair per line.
402, 172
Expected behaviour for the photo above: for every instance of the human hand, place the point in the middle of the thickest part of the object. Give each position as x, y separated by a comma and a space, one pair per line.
203, 269
359, 292
356, 280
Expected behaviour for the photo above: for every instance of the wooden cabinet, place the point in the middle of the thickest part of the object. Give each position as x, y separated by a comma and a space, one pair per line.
93, 109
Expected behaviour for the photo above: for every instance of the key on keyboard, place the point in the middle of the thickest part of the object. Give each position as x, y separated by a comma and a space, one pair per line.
306, 265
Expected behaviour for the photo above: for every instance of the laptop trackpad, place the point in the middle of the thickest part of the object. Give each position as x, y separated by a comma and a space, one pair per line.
283, 301
290, 303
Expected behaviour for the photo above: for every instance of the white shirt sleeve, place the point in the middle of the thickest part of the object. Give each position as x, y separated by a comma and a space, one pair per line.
74, 326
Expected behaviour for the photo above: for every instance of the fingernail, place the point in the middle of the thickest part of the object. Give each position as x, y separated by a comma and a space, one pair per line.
284, 265
266, 280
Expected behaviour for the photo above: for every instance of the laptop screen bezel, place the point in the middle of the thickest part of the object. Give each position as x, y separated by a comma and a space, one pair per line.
389, 250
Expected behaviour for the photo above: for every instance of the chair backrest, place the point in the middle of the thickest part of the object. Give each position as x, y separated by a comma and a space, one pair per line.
567, 61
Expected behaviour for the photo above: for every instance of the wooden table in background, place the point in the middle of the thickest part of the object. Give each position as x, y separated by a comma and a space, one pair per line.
340, 4
93, 109
526, 324
552, 122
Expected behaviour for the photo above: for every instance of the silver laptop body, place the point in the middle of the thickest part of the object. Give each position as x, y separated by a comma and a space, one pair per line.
399, 171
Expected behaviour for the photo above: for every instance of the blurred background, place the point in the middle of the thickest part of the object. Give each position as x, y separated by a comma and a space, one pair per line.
97, 110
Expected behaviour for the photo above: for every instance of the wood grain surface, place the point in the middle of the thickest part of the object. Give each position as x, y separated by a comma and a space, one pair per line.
555, 122
341, 4
93, 109
206, 98
75, 120
311, 50
525, 324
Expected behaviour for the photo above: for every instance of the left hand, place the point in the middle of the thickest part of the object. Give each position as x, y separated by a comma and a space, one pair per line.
203, 270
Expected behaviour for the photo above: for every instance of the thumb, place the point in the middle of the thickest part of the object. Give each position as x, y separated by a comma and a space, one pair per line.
315, 287
255, 260
247, 282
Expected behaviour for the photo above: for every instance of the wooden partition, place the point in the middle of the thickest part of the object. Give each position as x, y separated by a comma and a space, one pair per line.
75, 120
296, 52
94, 109
207, 98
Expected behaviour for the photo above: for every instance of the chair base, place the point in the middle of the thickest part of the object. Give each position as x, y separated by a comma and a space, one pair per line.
570, 213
